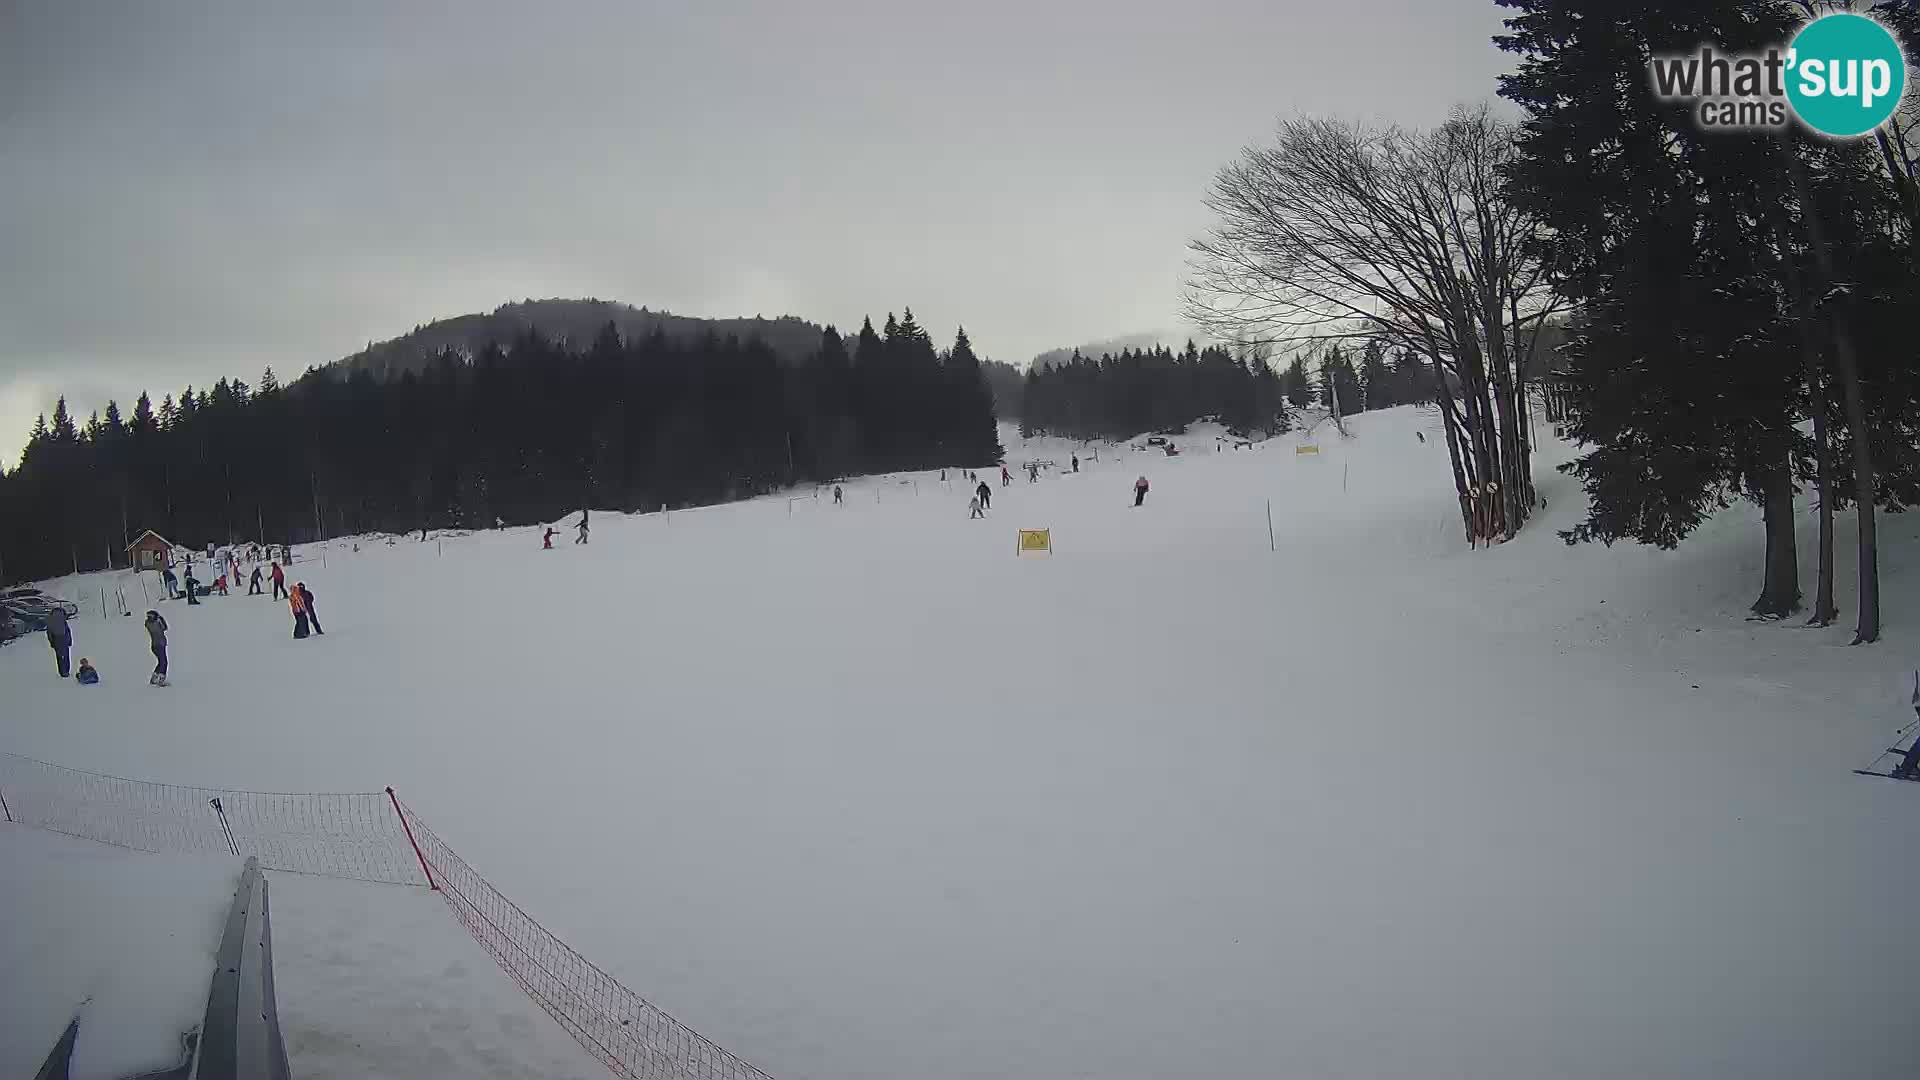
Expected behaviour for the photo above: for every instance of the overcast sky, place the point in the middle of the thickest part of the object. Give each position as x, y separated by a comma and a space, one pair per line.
192, 190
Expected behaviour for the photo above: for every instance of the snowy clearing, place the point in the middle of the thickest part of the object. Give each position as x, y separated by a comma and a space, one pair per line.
856, 792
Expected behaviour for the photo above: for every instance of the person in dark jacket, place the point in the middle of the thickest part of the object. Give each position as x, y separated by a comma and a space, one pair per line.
279, 580
313, 616
253, 585
546, 540
85, 674
297, 603
60, 636
1076, 463
193, 589
582, 538
986, 495
172, 583
1139, 491
157, 636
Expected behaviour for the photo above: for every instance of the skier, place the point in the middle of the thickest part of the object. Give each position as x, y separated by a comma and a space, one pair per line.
973, 508
85, 674
298, 605
1033, 473
193, 588
1076, 463
312, 615
157, 636
220, 584
1909, 767
837, 494
279, 580
172, 583
1139, 491
986, 495
546, 539
582, 538
1005, 477
253, 586
60, 636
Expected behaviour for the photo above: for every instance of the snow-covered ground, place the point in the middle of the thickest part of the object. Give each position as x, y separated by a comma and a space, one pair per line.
857, 792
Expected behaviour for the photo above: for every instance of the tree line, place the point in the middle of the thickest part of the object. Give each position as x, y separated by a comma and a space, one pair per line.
1121, 395
519, 431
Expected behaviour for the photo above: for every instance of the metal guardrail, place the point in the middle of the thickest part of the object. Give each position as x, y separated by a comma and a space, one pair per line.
240, 1037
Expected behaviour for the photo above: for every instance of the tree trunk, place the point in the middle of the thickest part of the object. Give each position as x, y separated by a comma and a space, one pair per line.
1780, 593
1824, 611
1868, 628
1848, 367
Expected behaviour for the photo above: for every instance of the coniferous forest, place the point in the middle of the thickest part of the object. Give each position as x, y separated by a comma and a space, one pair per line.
520, 431
1120, 396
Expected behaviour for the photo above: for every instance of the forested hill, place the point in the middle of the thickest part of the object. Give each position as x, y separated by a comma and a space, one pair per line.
573, 324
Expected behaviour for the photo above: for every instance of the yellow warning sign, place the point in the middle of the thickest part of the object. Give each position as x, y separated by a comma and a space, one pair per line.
1306, 449
1035, 540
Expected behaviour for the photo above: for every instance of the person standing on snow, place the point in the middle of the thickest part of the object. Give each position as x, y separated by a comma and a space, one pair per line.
253, 586
546, 539
313, 616
279, 580
837, 494
60, 636
1005, 476
298, 605
1139, 491
172, 583
986, 495
973, 508
1033, 473
582, 538
157, 636
1076, 463
193, 588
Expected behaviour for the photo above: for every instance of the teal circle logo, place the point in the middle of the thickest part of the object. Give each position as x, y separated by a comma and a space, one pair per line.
1845, 75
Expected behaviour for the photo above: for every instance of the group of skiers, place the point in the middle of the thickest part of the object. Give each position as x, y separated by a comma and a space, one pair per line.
546, 538
306, 620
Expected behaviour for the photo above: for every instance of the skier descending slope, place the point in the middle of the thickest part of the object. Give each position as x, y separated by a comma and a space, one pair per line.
986, 495
1139, 491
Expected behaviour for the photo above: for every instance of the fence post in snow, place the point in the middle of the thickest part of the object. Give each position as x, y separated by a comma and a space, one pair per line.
8, 810
1271, 546
416, 844
1343, 478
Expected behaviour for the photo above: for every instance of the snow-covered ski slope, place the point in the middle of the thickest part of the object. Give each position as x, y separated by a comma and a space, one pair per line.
858, 793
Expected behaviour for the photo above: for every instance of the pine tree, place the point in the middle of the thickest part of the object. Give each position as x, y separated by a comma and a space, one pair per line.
63, 429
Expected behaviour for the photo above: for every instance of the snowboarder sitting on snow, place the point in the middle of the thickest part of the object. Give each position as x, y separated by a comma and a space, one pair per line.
986, 495
157, 635
1139, 491
973, 508
85, 675
60, 636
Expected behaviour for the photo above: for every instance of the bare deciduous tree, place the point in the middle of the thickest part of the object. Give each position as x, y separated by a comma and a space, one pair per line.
1343, 231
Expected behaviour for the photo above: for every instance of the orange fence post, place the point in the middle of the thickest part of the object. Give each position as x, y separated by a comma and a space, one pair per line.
416, 844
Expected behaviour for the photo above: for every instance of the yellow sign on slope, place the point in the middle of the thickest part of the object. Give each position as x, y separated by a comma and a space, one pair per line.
1035, 540
1306, 448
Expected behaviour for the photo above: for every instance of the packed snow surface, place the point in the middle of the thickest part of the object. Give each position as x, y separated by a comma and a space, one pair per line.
858, 792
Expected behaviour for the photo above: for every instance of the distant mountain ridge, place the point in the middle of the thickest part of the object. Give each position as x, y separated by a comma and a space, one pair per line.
1092, 350
573, 322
